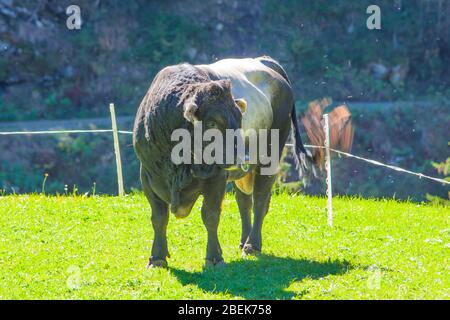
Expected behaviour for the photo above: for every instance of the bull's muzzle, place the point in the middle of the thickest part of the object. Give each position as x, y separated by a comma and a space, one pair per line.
243, 164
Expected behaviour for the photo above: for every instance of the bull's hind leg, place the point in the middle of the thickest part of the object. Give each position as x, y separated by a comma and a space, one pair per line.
261, 199
244, 190
211, 209
160, 218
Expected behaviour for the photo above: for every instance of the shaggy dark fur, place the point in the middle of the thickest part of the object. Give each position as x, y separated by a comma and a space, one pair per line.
178, 97
163, 110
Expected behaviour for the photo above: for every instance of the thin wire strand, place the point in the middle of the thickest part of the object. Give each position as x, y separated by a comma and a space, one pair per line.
53, 132
374, 162
377, 163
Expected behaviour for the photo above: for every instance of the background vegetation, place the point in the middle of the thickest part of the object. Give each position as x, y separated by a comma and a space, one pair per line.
50, 72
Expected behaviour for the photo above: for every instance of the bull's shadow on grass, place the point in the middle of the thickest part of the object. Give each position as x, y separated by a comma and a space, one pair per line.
265, 277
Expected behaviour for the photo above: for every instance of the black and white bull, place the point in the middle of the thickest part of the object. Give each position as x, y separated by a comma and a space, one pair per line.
228, 94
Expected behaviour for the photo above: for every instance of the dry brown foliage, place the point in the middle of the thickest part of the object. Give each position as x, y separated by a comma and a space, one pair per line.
341, 129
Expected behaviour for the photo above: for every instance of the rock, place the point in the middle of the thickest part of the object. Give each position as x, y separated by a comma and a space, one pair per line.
379, 70
7, 12
68, 72
8, 3
219, 27
192, 53
203, 58
398, 74
350, 28
4, 46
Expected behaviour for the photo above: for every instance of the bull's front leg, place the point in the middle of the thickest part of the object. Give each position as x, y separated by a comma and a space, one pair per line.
160, 218
211, 209
245, 203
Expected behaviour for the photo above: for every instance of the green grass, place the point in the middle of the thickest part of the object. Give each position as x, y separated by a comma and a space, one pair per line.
98, 247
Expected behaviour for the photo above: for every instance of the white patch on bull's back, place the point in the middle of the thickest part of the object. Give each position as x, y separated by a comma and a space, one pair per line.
250, 81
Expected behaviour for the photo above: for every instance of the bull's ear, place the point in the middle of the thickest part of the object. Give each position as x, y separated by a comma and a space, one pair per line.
190, 110
242, 105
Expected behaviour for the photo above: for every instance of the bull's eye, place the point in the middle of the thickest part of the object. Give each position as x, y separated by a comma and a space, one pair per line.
210, 125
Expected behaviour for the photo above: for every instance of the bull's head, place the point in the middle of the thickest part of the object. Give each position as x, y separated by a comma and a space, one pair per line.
213, 103
212, 106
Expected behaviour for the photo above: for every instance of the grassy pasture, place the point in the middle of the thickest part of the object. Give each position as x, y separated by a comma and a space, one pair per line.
97, 248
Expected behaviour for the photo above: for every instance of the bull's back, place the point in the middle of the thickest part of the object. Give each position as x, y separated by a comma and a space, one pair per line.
260, 85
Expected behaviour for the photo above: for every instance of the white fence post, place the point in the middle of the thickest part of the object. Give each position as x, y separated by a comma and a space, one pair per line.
328, 168
117, 149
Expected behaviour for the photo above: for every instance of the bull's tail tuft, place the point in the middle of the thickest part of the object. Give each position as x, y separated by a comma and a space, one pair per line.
341, 135
303, 158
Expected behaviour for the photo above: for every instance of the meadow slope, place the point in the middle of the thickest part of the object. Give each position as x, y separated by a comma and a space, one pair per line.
97, 248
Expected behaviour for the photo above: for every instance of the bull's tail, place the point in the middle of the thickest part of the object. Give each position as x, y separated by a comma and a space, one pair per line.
303, 158
341, 132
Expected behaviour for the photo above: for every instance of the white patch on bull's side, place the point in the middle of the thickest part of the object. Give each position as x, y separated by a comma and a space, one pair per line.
251, 82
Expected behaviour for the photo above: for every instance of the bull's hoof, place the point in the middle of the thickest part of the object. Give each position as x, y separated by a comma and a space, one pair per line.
157, 263
243, 242
214, 263
250, 250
